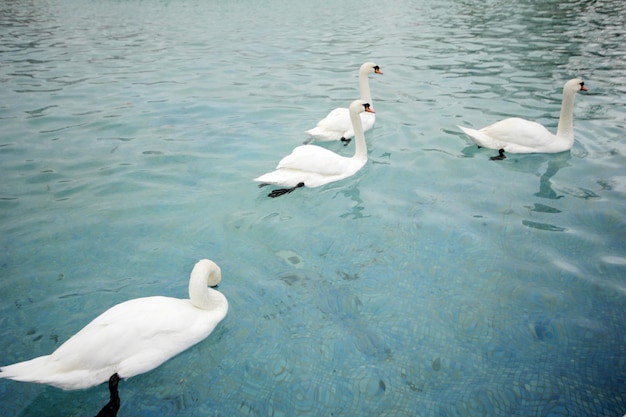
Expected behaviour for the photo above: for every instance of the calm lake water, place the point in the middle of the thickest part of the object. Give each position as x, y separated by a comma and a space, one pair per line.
434, 282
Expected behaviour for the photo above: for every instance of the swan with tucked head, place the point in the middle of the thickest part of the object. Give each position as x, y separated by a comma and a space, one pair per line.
313, 166
337, 125
517, 135
132, 337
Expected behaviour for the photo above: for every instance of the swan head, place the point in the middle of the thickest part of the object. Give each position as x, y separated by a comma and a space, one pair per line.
575, 85
207, 270
359, 106
370, 67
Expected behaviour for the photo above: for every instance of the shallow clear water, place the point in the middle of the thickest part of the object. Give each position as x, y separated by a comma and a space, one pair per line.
432, 283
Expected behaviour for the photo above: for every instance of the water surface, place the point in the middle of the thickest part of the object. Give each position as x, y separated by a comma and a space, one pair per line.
432, 283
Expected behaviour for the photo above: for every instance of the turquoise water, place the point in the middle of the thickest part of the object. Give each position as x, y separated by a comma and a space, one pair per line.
432, 283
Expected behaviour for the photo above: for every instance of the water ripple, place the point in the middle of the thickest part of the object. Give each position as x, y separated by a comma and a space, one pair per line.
433, 280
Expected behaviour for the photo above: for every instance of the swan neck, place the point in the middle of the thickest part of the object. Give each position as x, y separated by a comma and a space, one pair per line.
566, 119
364, 87
360, 149
200, 295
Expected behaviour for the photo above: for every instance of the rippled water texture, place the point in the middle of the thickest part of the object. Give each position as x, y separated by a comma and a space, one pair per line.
434, 282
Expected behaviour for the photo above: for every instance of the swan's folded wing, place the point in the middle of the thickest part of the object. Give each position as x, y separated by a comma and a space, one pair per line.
311, 158
518, 135
338, 119
338, 125
143, 324
333, 127
130, 338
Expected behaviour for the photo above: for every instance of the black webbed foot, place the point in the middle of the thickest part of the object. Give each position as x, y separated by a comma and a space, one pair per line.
112, 407
263, 185
346, 141
500, 156
281, 191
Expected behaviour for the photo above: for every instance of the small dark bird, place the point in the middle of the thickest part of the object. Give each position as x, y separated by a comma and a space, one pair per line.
111, 408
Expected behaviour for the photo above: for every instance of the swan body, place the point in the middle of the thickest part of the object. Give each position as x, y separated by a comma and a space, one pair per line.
337, 125
313, 166
517, 135
132, 337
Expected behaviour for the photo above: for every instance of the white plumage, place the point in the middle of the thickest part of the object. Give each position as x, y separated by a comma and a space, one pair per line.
313, 166
517, 135
337, 125
132, 337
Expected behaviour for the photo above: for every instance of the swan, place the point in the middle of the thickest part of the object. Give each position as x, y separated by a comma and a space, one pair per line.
336, 125
314, 166
517, 135
132, 337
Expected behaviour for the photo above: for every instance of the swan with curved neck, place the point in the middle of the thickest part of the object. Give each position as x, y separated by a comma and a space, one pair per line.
337, 125
132, 337
517, 135
313, 166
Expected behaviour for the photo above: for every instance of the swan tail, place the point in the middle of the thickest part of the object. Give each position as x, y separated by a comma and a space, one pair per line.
25, 371
278, 177
477, 136
323, 135
43, 370
38, 370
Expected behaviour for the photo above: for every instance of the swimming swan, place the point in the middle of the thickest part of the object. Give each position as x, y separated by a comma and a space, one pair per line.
314, 166
132, 337
517, 135
336, 125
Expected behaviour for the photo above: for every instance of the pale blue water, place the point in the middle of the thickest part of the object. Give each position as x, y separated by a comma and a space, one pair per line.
433, 283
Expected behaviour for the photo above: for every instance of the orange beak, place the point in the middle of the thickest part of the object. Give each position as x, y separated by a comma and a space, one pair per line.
583, 88
378, 71
369, 110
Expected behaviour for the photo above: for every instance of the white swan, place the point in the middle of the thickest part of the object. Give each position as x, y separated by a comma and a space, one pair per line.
336, 125
517, 135
313, 166
132, 337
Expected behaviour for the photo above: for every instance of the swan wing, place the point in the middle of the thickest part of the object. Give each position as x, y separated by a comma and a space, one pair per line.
337, 119
333, 127
312, 165
337, 125
311, 158
130, 329
514, 135
130, 338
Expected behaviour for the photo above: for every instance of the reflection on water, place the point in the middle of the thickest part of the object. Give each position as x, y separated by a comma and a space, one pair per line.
357, 210
555, 163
